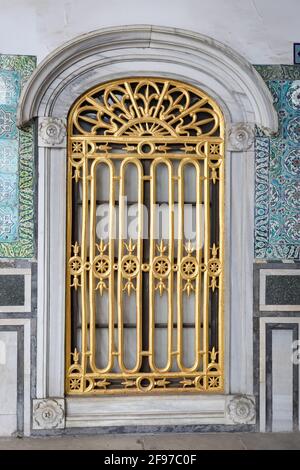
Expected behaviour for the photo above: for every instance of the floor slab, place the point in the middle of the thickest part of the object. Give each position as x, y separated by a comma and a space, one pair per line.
214, 441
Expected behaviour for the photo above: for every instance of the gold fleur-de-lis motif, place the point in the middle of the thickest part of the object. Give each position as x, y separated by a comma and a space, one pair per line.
189, 247
101, 286
187, 382
102, 383
214, 251
160, 286
161, 248
129, 286
213, 355
128, 383
76, 266
188, 287
101, 266
161, 267
101, 246
130, 247
129, 267
189, 268
214, 268
162, 383
75, 356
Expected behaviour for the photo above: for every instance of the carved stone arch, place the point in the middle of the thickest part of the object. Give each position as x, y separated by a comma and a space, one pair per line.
245, 101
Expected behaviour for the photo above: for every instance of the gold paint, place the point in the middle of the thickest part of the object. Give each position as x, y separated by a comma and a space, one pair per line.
126, 122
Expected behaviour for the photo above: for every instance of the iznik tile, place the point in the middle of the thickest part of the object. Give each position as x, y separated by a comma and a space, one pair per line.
8, 128
277, 189
16, 163
9, 87
9, 156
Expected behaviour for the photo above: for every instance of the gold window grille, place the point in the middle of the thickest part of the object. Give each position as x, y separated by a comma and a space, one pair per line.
144, 313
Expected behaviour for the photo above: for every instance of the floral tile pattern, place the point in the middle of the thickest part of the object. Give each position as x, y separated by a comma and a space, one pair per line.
277, 185
16, 163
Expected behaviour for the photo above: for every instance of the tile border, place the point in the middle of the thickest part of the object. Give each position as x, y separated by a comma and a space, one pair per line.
278, 72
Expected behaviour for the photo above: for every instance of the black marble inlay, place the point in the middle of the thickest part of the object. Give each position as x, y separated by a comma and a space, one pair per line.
12, 288
282, 290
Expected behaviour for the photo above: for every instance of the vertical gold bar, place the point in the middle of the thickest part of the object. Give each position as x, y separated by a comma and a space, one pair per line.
84, 260
153, 168
92, 319
102, 161
139, 286
151, 258
206, 259
68, 254
222, 257
111, 254
139, 255
179, 258
120, 277
181, 203
171, 275
198, 277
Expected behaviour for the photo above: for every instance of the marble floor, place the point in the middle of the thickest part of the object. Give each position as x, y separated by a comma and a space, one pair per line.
218, 441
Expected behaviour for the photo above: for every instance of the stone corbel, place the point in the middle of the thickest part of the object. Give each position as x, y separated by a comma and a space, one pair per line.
48, 413
52, 132
240, 409
240, 137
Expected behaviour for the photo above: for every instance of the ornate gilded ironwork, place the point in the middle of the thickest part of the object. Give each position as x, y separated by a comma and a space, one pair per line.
142, 312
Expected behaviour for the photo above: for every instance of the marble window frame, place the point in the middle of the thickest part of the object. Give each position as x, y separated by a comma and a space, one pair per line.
246, 102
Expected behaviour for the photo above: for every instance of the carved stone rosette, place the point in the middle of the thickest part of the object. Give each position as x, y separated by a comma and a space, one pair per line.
52, 132
48, 413
240, 136
241, 409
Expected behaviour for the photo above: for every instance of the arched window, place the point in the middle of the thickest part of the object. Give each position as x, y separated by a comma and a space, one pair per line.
145, 239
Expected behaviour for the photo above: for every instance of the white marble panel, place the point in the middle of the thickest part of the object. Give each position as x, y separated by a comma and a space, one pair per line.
8, 382
282, 380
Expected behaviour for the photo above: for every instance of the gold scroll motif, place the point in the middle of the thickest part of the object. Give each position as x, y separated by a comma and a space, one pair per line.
145, 124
